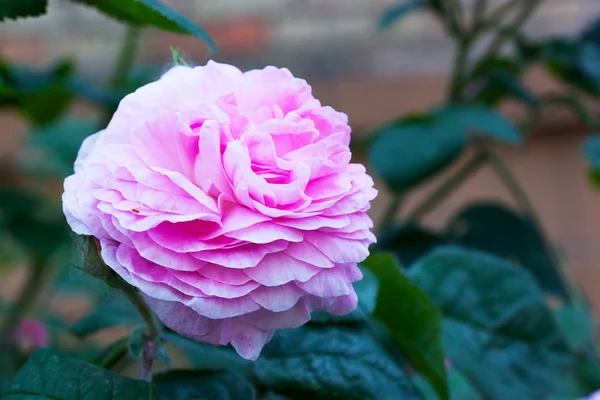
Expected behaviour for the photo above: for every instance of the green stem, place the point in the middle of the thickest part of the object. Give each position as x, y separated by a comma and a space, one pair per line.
24, 302
459, 69
126, 56
124, 63
447, 187
508, 31
525, 203
509, 180
152, 335
389, 215
113, 354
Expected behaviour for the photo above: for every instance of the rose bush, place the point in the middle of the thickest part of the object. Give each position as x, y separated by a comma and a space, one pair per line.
229, 200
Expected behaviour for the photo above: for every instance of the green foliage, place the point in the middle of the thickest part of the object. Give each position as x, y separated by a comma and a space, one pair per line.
460, 388
409, 242
330, 363
210, 358
503, 232
413, 320
48, 374
478, 120
396, 12
40, 95
406, 153
14, 9
33, 224
149, 12
498, 78
591, 153
54, 147
495, 323
190, 385
114, 312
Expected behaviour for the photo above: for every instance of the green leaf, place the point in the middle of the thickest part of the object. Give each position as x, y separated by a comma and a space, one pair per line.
36, 226
149, 12
208, 357
330, 363
397, 12
41, 95
86, 257
213, 385
409, 242
497, 329
460, 388
591, 152
590, 61
413, 320
177, 57
564, 58
366, 290
115, 312
503, 232
13, 9
497, 78
52, 375
479, 120
576, 322
54, 147
406, 154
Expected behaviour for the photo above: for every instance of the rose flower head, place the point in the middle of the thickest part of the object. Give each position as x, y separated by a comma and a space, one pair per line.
229, 200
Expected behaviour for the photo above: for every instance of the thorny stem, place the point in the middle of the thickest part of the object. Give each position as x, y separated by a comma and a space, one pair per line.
152, 336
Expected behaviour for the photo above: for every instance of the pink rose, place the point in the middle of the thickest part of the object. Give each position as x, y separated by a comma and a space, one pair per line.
29, 335
229, 200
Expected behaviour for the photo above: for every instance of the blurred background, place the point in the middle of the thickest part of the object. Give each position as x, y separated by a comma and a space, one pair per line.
371, 75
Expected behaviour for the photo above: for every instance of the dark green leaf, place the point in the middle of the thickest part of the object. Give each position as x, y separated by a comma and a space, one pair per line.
495, 79
413, 320
41, 95
13, 9
54, 147
406, 154
590, 61
576, 322
115, 312
208, 357
86, 257
409, 242
330, 363
51, 375
399, 11
149, 12
31, 222
587, 371
591, 152
195, 385
460, 388
479, 120
497, 329
503, 232
564, 58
